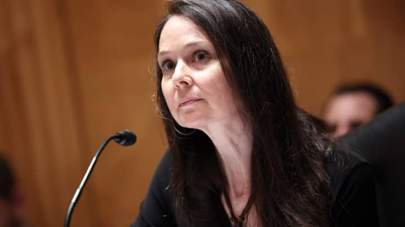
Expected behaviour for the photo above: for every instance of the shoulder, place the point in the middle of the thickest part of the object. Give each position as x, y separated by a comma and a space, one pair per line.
157, 209
353, 189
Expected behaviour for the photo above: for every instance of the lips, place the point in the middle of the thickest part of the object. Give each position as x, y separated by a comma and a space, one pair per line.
188, 101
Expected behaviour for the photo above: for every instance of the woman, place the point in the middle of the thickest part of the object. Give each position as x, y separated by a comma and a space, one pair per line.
241, 154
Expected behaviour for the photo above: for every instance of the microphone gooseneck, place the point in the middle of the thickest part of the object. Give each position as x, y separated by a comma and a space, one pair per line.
125, 138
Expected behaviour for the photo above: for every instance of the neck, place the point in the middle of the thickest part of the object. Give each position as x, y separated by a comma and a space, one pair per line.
233, 142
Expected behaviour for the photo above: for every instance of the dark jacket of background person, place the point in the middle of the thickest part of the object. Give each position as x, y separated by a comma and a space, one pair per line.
382, 143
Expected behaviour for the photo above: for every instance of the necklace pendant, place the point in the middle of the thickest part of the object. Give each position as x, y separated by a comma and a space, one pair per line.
237, 222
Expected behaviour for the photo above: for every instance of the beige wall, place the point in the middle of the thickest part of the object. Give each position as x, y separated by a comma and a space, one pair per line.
72, 72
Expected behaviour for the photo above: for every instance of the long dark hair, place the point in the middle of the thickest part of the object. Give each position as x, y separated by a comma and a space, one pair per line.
289, 181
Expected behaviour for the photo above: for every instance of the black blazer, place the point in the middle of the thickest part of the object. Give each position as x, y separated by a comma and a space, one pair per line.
382, 143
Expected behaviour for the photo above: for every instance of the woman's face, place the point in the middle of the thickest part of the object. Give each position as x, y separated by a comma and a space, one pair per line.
193, 82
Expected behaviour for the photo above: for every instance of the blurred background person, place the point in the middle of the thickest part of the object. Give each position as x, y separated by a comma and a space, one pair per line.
352, 105
11, 214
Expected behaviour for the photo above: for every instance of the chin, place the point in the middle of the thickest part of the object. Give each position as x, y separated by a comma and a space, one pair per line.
189, 125
190, 122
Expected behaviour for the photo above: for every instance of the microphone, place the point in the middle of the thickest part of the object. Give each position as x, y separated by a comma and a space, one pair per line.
124, 138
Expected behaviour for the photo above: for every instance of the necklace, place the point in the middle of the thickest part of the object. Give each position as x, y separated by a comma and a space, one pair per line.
237, 221
240, 221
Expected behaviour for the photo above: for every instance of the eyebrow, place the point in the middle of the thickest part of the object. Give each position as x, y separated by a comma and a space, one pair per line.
187, 46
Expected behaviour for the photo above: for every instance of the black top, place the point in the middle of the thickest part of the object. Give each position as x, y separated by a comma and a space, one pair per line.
353, 190
355, 184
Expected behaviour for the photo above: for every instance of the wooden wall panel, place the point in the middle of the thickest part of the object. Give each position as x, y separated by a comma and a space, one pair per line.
38, 112
73, 72
113, 55
325, 43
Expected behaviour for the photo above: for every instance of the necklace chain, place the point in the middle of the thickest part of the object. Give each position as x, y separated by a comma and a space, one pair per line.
238, 221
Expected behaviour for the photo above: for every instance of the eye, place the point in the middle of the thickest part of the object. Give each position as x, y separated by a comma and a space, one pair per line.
355, 124
167, 66
200, 56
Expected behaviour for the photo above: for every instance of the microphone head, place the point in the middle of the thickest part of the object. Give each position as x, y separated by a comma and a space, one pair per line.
125, 138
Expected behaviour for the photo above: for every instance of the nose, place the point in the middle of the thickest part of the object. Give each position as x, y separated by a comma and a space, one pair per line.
182, 75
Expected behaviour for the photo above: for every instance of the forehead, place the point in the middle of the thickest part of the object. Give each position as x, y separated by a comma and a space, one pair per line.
357, 99
351, 105
180, 30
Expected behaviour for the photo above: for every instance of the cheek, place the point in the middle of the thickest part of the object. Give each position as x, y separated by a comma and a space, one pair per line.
214, 81
167, 94
219, 85
164, 89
